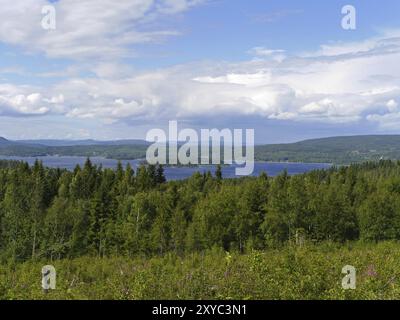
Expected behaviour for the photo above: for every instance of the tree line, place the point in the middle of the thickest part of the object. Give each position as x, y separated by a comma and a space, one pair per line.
50, 213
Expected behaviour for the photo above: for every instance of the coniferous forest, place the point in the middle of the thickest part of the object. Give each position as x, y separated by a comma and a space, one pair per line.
112, 233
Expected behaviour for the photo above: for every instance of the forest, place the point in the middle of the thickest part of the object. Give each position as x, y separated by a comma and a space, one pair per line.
55, 214
96, 224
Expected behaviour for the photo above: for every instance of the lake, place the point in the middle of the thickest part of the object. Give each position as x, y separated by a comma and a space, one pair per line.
174, 173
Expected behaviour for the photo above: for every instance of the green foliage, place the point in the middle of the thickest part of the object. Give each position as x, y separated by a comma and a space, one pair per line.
129, 235
337, 150
55, 214
308, 272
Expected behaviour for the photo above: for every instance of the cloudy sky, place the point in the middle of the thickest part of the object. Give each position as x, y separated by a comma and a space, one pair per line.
115, 69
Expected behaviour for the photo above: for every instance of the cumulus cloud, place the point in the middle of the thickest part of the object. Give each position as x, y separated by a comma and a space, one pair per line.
392, 105
16, 101
338, 83
301, 89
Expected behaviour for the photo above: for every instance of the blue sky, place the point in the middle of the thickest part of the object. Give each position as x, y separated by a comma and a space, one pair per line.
115, 70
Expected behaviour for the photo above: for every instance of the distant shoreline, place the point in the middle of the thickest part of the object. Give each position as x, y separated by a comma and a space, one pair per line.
174, 172
7, 157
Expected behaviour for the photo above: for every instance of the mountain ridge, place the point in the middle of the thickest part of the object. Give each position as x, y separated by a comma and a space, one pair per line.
337, 150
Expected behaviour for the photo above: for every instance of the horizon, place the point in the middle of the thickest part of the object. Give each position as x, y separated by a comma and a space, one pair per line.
172, 141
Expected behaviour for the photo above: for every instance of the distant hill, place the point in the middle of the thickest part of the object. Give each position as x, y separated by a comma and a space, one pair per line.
87, 142
338, 150
15, 148
119, 149
4, 142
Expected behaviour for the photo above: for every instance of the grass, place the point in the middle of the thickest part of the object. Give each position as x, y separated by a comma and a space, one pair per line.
310, 272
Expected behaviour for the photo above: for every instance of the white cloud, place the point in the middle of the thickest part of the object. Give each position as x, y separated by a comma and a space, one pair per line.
16, 101
389, 121
176, 6
392, 105
104, 29
340, 82
275, 54
250, 79
319, 107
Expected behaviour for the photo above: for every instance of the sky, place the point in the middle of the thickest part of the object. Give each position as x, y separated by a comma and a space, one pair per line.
116, 69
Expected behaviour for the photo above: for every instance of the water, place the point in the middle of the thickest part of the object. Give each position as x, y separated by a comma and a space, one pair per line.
174, 173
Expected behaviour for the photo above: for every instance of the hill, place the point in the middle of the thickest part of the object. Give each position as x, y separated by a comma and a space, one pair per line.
120, 149
87, 142
338, 150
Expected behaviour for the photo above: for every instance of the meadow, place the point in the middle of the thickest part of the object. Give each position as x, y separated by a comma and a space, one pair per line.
290, 272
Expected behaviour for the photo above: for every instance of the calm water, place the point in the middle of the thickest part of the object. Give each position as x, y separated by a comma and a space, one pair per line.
174, 173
